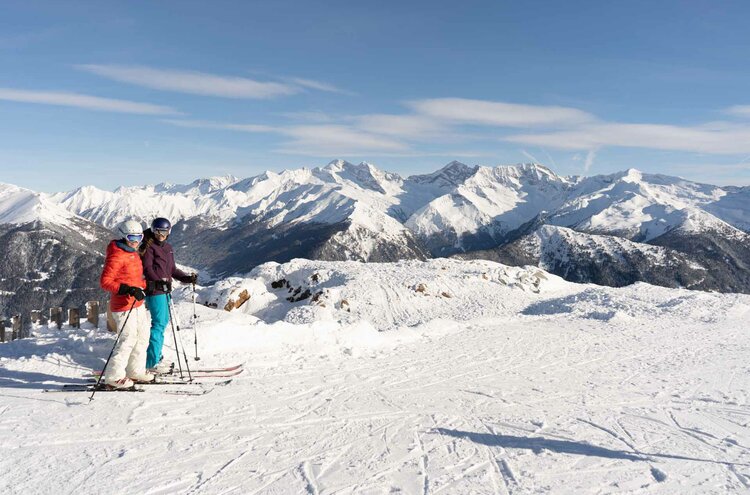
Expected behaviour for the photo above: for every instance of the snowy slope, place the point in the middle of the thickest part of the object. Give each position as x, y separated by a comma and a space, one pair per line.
19, 206
639, 206
501, 198
563, 389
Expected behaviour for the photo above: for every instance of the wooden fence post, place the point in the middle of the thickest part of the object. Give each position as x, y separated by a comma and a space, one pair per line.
74, 317
92, 313
36, 316
15, 321
56, 316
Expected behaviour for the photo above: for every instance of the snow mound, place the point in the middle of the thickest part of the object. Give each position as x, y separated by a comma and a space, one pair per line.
386, 295
639, 302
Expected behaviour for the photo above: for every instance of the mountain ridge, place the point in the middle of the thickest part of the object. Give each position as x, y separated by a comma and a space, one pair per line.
346, 211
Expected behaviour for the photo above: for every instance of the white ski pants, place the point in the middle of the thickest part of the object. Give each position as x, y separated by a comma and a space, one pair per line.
129, 358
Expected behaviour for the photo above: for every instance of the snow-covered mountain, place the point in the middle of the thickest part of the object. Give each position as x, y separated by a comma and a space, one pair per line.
358, 212
488, 204
51, 256
614, 261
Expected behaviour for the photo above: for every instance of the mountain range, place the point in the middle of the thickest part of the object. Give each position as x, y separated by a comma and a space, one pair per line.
607, 229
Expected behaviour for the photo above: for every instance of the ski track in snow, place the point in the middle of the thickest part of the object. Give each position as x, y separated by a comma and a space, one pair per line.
554, 402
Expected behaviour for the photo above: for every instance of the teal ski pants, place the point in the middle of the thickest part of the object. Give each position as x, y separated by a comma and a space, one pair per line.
158, 306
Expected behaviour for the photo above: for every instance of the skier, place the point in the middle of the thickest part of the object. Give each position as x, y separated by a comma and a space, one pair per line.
159, 267
123, 277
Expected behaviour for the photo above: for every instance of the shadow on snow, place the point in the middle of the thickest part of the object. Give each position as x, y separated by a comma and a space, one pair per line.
537, 444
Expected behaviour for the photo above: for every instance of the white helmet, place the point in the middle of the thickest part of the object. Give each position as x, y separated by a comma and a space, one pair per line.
129, 227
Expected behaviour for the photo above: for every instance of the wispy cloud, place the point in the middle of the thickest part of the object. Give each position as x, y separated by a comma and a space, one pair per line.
191, 82
84, 101
406, 126
205, 124
313, 116
318, 85
739, 110
716, 139
495, 113
589, 162
530, 156
328, 139
320, 140
455, 119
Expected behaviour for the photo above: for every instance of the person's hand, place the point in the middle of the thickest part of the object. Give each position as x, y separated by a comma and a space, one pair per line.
193, 278
138, 293
128, 290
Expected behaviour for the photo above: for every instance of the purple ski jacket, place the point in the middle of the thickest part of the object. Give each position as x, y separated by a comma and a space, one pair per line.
159, 265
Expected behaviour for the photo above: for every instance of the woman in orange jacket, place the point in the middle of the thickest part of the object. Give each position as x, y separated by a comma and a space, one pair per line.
123, 277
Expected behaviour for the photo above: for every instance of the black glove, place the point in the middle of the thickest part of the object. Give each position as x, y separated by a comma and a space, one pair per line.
128, 290
138, 293
163, 285
193, 278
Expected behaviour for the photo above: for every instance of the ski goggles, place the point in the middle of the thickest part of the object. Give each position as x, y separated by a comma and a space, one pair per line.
134, 237
161, 231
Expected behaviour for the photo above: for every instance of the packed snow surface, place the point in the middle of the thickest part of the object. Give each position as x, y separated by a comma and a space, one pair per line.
416, 377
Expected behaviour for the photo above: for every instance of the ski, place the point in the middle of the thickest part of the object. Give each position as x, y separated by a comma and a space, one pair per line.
203, 374
236, 367
162, 381
167, 381
187, 392
200, 372
90, 388
71, 387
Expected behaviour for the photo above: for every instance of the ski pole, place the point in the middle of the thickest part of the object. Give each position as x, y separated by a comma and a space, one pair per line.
173, 317
117, 339
174, 334
195, 329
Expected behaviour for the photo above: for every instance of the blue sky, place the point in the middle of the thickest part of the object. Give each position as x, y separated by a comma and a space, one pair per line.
126, 93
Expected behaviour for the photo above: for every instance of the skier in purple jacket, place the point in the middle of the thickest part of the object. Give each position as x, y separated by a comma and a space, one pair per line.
159, 269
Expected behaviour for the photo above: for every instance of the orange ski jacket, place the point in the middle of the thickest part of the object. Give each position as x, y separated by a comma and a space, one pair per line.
121, 267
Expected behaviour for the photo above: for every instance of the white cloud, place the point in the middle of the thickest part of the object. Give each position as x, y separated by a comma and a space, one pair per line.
530, 156
321, 140
192, 82
204, 124
406, 126
495, 113
590, 157
84, 101
446, 119
311, 116
716, 139
739, 110
320, 86
330, 139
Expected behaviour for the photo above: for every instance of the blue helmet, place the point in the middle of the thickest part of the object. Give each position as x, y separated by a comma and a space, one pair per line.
161, 224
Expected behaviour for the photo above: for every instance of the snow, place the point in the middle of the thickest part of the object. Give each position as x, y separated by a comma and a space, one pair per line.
507, 196
454, 201
518, 382
20, 206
